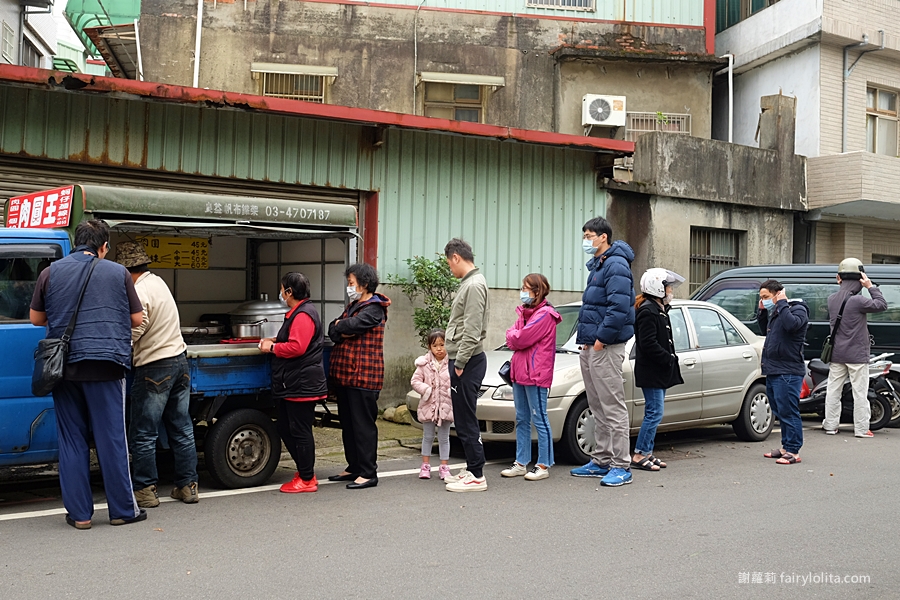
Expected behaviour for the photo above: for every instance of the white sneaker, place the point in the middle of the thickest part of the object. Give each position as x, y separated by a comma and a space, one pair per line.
537, 472
468, 484
515, 470
458, 477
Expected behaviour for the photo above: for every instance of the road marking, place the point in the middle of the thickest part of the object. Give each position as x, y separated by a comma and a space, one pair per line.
217, 494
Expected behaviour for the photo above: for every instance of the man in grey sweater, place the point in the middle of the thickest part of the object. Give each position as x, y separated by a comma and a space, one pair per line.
850, 356
465, 338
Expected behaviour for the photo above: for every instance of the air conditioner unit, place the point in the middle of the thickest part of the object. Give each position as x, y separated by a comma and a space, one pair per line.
602, 111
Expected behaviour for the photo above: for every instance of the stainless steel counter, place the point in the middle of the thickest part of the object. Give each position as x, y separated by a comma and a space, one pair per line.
219, 350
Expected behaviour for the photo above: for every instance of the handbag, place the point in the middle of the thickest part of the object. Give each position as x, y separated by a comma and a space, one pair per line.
828, 344
51, 353
504, 372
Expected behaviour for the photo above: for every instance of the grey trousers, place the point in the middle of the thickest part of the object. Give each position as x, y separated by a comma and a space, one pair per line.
605, 388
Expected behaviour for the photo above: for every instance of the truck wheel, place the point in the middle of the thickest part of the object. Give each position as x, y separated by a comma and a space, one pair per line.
755, 421
578, 440
242, 449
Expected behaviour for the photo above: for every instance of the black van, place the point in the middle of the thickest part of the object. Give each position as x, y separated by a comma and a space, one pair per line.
737, 291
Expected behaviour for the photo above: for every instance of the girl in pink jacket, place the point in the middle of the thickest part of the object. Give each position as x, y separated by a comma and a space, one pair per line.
533, 342
432, 382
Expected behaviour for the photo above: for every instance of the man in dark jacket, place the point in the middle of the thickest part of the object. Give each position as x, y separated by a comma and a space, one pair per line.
785, 324
852, 345
91, 397
605, 323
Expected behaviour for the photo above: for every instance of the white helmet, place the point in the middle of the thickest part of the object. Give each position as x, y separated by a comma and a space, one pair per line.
655, 281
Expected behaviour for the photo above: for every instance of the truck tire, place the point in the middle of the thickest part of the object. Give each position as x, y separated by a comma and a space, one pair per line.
242, 449
755, 421
577, 440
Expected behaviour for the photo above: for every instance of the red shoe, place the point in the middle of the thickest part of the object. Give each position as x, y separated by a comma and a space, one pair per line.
298, 486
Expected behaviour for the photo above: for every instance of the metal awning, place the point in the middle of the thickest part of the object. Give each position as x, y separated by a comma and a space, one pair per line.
83, 14
120, 47
462, 79
285, 69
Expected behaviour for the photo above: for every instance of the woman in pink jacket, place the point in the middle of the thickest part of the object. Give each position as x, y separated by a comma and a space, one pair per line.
432, 382
533, 342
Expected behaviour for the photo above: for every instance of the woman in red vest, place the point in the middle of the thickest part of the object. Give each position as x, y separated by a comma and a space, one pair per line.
356, 373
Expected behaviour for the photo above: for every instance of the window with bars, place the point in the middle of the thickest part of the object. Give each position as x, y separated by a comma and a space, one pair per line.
31, 56
295, 86
8, 43
712, 251
563, 4
885, 259
639, 123
455, 101
882, 122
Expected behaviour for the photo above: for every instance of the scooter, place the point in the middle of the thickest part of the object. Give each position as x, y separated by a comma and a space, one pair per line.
881, 393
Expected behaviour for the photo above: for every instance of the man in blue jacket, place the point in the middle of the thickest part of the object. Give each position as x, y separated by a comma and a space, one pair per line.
784, 323
605, 323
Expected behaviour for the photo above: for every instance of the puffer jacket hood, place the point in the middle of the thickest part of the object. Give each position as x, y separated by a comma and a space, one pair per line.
607, 309
533, 341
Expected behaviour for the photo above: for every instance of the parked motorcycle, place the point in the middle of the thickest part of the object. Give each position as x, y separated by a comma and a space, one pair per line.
882, 393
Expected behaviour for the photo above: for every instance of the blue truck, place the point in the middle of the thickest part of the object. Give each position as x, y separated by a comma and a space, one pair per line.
231, 404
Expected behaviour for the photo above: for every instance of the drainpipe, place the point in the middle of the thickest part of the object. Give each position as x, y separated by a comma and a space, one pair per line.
416, 58
137, 42
846, 80
197, 43
21, 49
730, 58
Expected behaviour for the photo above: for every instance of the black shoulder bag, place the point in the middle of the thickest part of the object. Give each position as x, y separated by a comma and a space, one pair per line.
828, 344
51, 354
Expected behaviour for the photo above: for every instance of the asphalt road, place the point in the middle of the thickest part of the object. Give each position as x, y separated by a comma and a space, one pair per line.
720, 522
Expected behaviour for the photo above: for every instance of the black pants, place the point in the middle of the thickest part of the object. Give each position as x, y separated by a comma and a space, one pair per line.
358, 410
295, 421
464, 395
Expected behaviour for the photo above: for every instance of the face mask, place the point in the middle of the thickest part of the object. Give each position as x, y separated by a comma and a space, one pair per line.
525, 298
668, 298
353, 294
588, 247
281, 298
768, 304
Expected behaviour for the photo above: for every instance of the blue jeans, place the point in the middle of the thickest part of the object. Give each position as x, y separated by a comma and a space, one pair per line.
784, 398
531, 406
161, 393
654, 401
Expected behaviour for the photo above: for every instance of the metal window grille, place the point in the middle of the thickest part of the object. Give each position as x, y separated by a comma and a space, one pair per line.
639, 123
310, 88
8, 46
563, 4
712, 251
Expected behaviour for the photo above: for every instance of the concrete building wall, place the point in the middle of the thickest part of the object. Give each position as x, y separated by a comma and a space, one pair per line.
9, 15
770, 29
678, 89
794, 75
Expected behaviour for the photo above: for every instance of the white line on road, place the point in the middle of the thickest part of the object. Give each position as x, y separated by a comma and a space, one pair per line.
219, 494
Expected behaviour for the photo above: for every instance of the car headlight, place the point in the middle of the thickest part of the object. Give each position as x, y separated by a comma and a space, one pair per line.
504, 392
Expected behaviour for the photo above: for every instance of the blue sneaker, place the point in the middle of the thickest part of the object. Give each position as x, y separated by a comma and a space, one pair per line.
616, 477
591, 469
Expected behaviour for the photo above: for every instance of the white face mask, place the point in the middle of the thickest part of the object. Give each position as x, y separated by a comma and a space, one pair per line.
668, 298
588, 247
353, 294
282, 299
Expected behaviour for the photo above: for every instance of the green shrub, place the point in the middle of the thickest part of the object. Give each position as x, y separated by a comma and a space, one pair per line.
433, 284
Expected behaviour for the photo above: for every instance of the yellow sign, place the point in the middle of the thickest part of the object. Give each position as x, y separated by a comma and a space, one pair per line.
176, 252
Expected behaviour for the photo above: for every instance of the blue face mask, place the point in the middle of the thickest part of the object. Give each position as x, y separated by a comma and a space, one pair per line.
768, 304
588, 247
525, 298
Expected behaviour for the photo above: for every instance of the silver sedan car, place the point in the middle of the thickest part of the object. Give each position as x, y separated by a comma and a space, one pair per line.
720, 364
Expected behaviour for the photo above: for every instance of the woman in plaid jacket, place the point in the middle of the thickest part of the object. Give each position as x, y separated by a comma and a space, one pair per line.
356, 373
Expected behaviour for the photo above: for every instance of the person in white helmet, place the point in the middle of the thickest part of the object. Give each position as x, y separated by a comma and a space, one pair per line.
656, 365
852, 345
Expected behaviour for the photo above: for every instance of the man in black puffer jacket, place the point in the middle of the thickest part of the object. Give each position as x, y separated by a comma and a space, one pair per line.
784, 323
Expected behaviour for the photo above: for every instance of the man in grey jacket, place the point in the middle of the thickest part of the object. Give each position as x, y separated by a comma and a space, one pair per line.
465, 338
850, 356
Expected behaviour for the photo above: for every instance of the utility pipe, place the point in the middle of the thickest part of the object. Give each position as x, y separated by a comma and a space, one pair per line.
416, 59
730, 58
137, 42
197, 43
846, 80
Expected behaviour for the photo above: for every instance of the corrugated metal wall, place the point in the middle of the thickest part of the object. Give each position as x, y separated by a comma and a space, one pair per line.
520, 206
672, 12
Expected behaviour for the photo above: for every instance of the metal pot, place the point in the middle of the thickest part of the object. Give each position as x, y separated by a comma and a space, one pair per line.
258, 318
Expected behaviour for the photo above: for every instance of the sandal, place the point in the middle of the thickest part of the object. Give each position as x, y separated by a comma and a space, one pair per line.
788, 459
775, 454
657, 462
645, 465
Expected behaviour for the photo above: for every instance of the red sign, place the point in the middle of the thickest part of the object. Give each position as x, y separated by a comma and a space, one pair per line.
50, 208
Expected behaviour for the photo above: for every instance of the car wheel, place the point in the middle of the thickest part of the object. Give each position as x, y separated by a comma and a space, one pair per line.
755, 421
578, 433
242, 449
880, 412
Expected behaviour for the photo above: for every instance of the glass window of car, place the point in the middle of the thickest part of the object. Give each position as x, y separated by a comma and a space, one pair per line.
20, 265
679, 330
731, 334
709, 328
740, 298
815, 295
892, 297
568, 324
